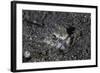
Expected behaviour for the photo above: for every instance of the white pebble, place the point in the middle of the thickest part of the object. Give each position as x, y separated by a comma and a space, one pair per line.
30, 38
27, 54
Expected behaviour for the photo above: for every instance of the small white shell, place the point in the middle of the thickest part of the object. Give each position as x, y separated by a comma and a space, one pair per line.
27, 54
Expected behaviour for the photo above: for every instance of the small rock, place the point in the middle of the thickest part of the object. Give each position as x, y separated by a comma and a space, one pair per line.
30, 38
27, 54
34, 21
